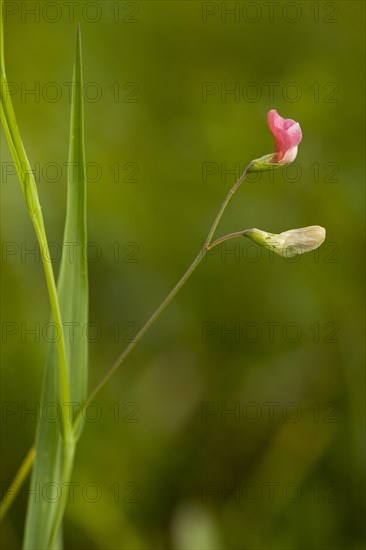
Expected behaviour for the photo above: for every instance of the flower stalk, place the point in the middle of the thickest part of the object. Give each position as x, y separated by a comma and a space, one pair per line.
208, 245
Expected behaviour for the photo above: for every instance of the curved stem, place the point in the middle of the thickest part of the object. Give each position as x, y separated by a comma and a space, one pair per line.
226, 202
107, 375
207, 246
19, 478
227, 237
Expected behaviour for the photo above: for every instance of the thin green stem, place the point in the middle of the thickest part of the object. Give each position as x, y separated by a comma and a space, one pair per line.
19, 478
227, 237
226, 202
146, 326
207, 246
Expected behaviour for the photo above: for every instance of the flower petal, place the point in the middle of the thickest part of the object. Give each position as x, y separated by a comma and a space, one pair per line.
287, 134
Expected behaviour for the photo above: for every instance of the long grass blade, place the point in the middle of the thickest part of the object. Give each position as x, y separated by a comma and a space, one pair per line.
73, 279
54, 455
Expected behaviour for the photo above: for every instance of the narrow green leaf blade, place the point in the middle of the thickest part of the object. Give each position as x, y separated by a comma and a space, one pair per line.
73, 299
73, 279
46, 479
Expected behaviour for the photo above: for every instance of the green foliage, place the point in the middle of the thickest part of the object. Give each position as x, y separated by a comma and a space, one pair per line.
52, 452
148, 223
65, 373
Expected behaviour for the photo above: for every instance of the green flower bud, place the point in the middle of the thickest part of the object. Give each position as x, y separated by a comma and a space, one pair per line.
289, 243
264, 164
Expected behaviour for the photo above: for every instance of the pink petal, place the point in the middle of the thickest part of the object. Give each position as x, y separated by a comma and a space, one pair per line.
274, 120
287, 134
290, 155
295, 133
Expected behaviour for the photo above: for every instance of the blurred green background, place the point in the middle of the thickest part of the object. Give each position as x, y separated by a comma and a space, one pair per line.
163, 463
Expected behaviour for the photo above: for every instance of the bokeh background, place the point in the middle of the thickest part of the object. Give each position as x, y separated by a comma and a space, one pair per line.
163, 463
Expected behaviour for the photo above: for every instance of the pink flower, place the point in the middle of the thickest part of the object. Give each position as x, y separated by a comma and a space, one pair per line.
287, 134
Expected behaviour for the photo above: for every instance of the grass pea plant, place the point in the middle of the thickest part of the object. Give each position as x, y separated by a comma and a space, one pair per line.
65, 378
